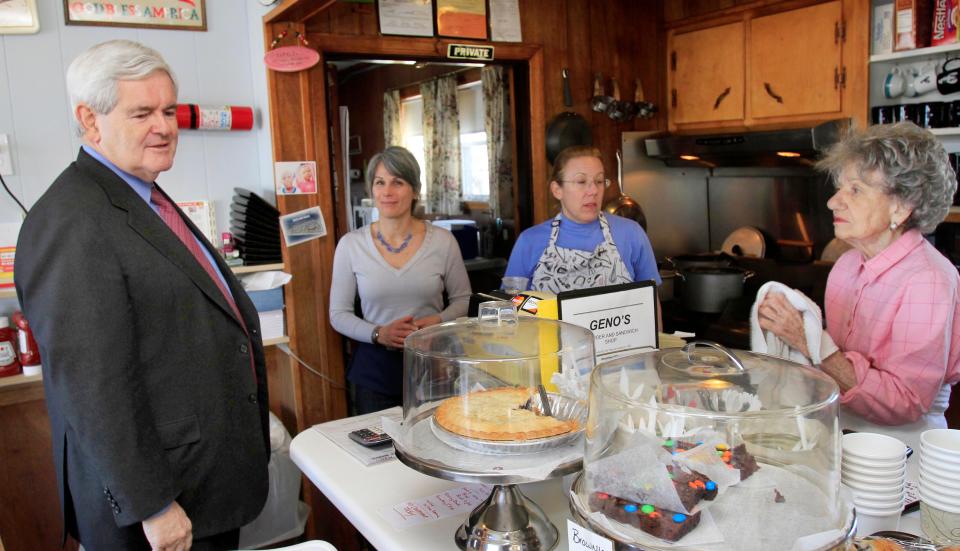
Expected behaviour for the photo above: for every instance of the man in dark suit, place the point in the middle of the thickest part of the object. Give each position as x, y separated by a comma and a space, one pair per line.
152, 358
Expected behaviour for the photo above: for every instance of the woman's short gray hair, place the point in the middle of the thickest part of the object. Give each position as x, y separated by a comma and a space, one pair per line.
399, 162
92, 77
912, 162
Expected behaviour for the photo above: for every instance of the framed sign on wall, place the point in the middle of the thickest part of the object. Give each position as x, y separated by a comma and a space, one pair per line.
184, 15
19, 17
462, 18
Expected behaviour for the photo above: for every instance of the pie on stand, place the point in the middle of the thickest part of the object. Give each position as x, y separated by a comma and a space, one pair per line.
480, 405
707, 449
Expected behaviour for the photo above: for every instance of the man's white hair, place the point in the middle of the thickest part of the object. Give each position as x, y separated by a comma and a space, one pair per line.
92, 77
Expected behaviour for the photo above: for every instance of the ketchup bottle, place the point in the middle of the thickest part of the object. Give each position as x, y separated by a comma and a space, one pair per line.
29, 351
8, 350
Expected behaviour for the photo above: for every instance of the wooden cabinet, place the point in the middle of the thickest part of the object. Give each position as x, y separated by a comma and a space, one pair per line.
796, 63
766, 68
707, 75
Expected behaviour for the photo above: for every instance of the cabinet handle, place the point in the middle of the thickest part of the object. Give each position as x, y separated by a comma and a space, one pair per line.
725, 93
771, 93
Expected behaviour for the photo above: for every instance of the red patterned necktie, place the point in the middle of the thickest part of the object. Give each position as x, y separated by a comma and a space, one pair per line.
172, 218
168, 212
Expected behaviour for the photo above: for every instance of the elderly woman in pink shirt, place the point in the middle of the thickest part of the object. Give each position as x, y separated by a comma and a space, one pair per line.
892, 303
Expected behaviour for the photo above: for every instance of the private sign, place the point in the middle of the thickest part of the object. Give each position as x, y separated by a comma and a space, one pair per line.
468, 51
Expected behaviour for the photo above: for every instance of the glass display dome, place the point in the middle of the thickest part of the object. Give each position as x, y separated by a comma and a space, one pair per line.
483, 380
703, 448
497, 399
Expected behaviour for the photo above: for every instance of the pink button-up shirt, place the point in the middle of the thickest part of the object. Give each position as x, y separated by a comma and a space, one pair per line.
896, 317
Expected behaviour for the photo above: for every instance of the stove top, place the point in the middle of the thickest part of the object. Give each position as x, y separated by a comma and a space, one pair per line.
731, 327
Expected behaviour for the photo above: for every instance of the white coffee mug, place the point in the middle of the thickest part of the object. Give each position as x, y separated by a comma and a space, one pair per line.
894, 85
926, 80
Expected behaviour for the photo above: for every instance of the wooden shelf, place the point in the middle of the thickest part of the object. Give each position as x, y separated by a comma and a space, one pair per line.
260, 268
945, 131
279, 340
953, 216
14, 381
919, 52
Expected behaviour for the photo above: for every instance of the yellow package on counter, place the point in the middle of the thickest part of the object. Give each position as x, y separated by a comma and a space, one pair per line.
542, 304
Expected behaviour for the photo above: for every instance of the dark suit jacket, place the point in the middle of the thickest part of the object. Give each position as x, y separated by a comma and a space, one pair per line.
148, 379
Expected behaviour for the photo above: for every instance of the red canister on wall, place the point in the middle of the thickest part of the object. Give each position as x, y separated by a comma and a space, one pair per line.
8, 350
29, 351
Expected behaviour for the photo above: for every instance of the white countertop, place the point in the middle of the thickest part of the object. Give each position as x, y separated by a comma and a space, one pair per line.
359, 492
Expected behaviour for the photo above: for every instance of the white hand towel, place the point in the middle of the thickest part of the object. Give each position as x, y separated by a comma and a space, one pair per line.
819, 342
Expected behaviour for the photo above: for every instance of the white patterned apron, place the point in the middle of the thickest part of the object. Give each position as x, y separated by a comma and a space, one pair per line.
562, 269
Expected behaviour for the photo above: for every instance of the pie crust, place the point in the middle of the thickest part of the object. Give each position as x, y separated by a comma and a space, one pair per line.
497, 414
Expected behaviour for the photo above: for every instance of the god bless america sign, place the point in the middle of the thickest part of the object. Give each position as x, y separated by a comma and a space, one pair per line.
161, 14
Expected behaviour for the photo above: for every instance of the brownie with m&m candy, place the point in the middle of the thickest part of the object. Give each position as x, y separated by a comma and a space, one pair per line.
735, 458
662, 523
691, 487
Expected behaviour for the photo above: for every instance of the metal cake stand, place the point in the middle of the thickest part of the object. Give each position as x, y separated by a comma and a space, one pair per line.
505, 521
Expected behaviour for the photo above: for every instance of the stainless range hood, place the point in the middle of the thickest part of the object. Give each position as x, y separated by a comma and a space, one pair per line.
796, 147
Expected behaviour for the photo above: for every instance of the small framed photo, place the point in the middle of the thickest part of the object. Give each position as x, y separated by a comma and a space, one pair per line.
302, 225
462, 19
296, 178
182, 15
19, 17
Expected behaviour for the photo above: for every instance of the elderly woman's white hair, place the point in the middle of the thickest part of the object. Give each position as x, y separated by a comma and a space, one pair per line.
92, 77
912, 163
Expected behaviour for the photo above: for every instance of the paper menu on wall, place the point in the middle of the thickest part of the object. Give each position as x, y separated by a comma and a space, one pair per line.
338, 431
455, 501
202, 215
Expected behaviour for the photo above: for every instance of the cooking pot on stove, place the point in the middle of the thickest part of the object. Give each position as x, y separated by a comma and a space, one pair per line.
707, 289
668, 276
700, 260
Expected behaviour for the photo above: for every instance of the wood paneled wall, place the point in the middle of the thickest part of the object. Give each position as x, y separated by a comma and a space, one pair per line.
619, 38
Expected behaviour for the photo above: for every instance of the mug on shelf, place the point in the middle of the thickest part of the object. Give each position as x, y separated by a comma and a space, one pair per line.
894, 84
926, 79
934, 114
948, 79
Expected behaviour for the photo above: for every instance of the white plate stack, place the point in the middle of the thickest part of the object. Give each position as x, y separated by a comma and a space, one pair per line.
940, 485
874, 467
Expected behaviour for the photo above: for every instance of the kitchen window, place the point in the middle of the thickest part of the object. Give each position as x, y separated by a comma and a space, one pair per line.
474, 173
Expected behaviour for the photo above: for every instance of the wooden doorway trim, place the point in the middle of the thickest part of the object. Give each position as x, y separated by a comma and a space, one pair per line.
299, 121
386, 47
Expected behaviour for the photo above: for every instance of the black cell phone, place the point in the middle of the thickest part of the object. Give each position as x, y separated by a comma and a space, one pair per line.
371, 436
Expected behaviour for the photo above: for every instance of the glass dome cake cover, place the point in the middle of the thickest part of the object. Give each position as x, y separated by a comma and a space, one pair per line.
703, 448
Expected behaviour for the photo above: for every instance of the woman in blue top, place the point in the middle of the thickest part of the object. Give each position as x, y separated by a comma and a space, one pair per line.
582, 247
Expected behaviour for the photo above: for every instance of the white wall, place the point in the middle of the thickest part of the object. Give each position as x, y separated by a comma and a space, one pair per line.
222, 66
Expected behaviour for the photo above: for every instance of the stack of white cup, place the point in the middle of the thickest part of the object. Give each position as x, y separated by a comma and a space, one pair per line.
940, 485
874, 467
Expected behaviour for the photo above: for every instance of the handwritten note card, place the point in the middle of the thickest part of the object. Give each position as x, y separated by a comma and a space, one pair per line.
455, 501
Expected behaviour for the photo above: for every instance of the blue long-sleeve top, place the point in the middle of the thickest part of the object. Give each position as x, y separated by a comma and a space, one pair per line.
631, 241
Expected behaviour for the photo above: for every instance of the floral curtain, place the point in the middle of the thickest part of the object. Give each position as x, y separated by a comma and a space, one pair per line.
391, 119
496, 101
441, 145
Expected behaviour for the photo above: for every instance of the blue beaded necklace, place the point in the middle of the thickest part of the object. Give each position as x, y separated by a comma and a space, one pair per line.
398, 249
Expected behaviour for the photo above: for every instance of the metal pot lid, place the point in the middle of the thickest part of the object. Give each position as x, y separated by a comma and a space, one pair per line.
745, 241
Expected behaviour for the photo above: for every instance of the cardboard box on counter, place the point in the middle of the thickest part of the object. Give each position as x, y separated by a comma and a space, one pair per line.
265, 301
271, 324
